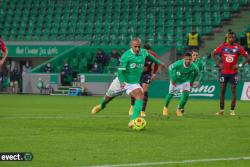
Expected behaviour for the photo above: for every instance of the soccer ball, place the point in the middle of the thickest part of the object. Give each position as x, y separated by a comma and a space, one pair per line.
139, 123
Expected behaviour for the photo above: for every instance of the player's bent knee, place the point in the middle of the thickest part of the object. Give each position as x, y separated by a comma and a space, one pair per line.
106, 98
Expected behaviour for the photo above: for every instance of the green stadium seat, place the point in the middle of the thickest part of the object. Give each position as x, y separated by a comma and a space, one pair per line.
208, 30
216, 19
234, 6
188, 22
243, 2
225, 15
198, 19
76, 20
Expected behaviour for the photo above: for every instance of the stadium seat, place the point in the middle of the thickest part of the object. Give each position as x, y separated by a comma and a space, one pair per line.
243, 2
104, 22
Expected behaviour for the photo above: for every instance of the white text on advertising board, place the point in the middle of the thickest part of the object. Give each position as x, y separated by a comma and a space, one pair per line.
203, 90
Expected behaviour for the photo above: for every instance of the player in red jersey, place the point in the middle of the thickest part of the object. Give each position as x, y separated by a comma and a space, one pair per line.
4, 50
149, 72
229, 54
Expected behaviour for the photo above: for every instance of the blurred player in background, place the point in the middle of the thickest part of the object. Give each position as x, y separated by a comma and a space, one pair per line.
4, 51
182, 75
15, 77
200, 64
129, 73
149, 72
229, 53
4, 56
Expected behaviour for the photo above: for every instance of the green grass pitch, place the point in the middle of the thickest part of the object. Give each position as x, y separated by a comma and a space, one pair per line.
60, 131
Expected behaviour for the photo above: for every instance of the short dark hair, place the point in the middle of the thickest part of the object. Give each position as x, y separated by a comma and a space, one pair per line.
147, 46
188, 54
232, 33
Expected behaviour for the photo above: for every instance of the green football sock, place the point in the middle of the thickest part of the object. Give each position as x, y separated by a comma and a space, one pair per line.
137, 108
103, 102
184, 99
168, 99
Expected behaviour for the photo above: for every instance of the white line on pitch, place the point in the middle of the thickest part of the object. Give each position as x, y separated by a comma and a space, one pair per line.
59, 117
173, 162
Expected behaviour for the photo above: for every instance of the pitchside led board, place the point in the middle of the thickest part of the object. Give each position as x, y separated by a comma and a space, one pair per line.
36, 50
245, 95
206, 90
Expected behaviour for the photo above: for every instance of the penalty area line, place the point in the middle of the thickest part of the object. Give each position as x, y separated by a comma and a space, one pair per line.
172, 162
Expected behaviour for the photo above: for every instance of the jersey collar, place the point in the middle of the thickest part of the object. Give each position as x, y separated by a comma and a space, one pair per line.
134, 52
184, 64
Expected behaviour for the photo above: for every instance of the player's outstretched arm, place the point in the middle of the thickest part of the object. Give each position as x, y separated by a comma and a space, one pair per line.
162, 66
154, 59
157, 61
172, 73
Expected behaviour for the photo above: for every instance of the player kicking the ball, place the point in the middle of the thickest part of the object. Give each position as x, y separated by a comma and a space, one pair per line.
182, 75
149, 72
129, 73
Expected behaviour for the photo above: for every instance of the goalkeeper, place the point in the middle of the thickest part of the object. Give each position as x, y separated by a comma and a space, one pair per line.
129, 74
182, 75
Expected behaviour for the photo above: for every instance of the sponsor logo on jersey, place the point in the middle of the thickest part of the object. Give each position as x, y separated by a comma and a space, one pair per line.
229, 58
133, 65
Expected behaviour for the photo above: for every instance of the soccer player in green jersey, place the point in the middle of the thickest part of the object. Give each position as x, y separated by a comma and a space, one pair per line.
149, 72
182, 75
128, 79
200, 64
